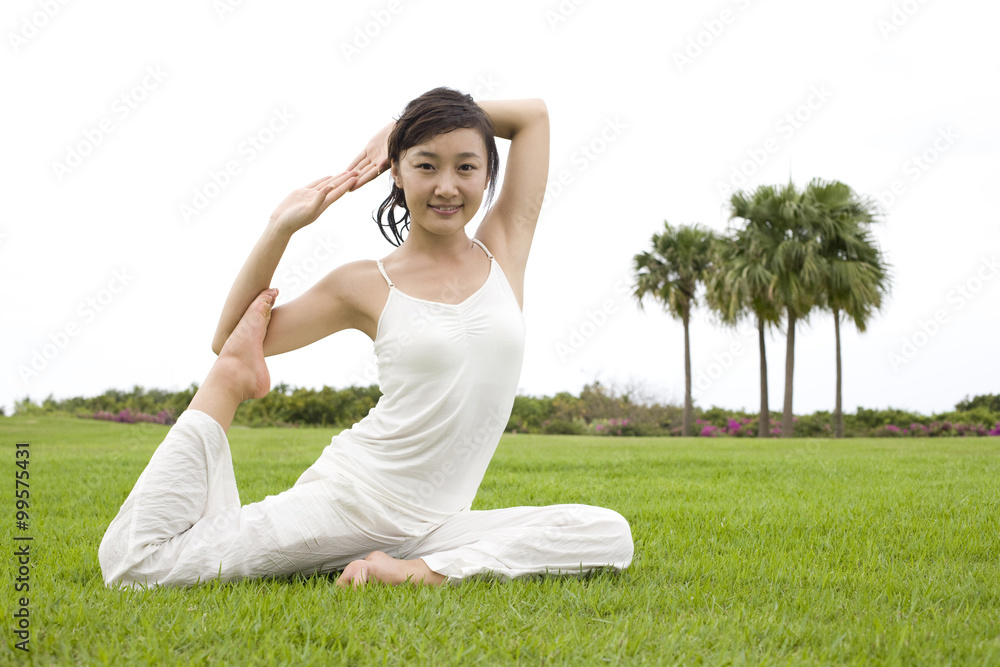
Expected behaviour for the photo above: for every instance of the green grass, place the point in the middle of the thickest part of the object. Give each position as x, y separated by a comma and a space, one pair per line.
777, 552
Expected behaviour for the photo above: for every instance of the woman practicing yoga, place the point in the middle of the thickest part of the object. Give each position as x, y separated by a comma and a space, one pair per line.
389, 499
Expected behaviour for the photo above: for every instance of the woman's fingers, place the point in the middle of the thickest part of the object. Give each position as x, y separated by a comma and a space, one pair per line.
370, 172
321, 183
303, 205
357, 161
336, 191
346, 176
318, 181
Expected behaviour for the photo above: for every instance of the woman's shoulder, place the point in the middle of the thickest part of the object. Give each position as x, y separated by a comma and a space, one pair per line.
358, 285
358, 277
359, 268
358, 290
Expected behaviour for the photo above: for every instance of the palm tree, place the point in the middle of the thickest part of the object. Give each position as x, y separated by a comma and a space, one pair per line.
740, 287
670, 273
782, 220
857, 275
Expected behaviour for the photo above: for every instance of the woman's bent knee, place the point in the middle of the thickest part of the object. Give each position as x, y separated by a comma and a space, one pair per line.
617, 537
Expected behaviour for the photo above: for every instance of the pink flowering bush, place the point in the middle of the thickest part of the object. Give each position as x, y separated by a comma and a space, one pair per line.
736, 427
936, 429
614, 426
597, 410
126, 416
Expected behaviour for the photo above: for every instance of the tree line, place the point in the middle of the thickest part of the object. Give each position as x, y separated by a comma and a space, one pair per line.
596, 410
786, 254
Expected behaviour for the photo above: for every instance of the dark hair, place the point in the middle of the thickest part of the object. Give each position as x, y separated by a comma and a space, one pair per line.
437, 111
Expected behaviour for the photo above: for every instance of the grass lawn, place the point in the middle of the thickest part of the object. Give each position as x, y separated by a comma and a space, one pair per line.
777, 552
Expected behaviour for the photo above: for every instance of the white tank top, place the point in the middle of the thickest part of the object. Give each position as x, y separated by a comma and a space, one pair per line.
448, 375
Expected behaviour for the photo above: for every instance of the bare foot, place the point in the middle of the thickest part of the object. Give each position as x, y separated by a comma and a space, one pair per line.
379, 566
239, 373
242, 356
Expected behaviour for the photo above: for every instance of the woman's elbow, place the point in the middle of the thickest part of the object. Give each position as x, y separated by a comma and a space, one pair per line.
540, 110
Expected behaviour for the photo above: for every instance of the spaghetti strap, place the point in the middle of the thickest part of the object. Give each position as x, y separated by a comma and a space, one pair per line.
384, 274
481, 245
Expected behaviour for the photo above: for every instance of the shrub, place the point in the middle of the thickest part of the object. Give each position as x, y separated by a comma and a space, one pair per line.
563, 427
528, 414
615, 427
742, 428
126, 416
817, 425
990, 402
598, 410
709, 431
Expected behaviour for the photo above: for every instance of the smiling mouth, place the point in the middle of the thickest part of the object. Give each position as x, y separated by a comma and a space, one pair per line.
445, 209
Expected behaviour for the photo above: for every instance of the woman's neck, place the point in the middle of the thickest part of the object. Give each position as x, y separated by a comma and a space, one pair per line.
439, 248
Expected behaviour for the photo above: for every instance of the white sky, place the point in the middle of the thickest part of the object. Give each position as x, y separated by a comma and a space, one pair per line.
873, 84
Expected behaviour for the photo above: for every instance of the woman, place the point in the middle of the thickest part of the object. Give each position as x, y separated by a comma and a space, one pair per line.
389, 498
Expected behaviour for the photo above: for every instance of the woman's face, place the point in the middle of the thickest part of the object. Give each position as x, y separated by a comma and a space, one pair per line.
443, 180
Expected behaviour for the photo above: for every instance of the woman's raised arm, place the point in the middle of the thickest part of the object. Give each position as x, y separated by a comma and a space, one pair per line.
299, 209
510, 224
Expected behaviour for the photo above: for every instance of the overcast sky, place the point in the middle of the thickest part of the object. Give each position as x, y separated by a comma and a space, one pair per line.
146, 146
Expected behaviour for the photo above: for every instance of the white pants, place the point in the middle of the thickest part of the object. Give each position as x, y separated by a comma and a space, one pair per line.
183, 524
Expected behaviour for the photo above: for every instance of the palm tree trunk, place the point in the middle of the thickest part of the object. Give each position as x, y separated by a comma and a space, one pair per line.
787, 425
688, 405
838, 416
764, 426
